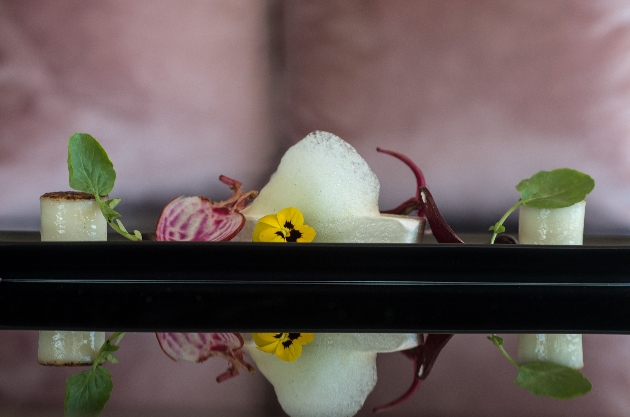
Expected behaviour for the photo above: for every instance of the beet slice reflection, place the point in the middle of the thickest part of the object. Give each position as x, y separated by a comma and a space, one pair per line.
197, 347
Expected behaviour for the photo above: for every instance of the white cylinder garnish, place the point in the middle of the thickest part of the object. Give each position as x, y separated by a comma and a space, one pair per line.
70, 217
68, 348
563, 349
559, 226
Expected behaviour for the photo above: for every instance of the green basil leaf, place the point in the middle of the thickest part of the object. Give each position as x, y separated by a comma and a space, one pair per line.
87, 393
89, 167
559, 188
552, 380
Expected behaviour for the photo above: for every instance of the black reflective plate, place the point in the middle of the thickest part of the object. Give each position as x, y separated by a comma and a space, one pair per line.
158, 286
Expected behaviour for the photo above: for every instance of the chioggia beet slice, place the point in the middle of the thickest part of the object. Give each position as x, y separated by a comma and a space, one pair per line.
200, 219
197, 347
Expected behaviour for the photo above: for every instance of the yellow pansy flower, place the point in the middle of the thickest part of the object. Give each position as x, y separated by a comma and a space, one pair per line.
286, 226
286, 346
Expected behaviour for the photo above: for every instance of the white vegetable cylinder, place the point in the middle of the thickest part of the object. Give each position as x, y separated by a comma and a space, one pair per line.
561, 226
70, 217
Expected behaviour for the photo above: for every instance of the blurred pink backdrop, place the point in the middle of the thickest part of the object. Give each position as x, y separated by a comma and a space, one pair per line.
481, 94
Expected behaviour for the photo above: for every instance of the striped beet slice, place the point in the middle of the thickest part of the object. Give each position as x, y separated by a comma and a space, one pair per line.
197, 347
200, 219
197, 219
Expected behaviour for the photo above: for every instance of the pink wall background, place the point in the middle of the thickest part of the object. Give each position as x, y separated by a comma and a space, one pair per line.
480, 93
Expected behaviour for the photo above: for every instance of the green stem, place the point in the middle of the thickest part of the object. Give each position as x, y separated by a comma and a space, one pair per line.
502, 220
121, 232
103, 353
505, 354
113, 224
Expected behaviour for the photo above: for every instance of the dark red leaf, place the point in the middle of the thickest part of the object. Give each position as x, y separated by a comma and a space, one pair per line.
441, 230
423, 357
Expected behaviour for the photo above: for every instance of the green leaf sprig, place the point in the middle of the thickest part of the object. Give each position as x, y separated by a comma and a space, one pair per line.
559, 188
91, 171
547, 379
88, 392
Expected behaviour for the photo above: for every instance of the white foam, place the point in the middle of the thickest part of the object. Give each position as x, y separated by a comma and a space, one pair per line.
335, 189
327, 180
324, 381
372, 342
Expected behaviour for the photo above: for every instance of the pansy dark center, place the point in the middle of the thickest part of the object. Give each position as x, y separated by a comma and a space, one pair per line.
286, 226
287, 343
291, 337
286, 346
294, 235
289, 234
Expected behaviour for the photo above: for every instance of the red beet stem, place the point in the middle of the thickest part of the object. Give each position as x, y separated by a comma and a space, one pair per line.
431, 349
441, 230
416, 170
423, 357
405, 208
415, 386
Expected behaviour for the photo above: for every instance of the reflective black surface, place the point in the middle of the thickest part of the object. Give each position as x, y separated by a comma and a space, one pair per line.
163, 286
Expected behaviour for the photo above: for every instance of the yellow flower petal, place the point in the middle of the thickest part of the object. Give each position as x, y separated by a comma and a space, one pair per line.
264, 338
289, 351
270, 348
291, 215
305, 338
271, 235
271, 220
267, 342
258, 229
308, 233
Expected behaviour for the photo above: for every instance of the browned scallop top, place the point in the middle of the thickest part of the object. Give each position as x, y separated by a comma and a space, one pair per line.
67, 195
